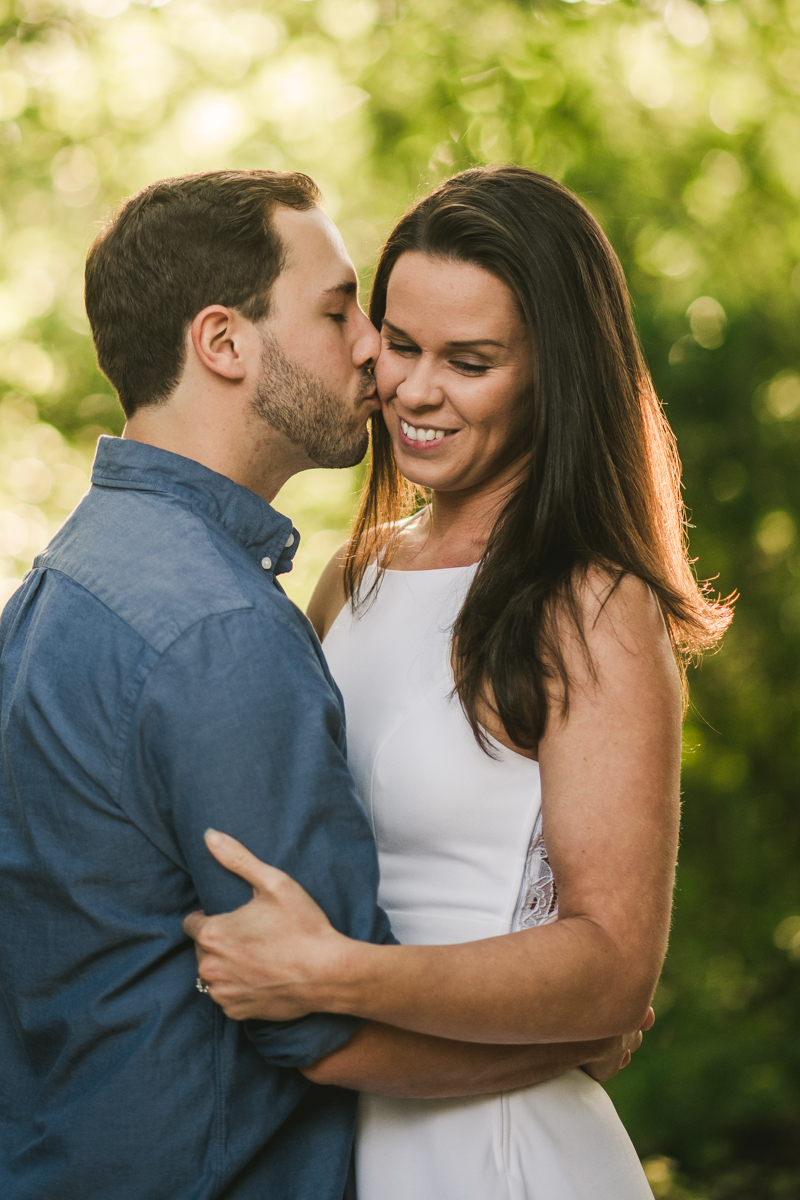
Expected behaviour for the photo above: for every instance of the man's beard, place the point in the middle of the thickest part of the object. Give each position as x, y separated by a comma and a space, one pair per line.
298, 405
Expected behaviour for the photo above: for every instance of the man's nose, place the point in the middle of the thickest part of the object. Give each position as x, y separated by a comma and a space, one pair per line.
367, 345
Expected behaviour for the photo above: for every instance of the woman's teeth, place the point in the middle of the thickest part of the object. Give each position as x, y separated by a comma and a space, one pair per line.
422, 435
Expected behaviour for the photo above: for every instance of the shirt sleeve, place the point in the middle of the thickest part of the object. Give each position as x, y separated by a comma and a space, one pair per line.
240, 728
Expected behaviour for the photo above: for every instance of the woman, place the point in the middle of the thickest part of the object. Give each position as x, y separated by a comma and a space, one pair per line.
510, 660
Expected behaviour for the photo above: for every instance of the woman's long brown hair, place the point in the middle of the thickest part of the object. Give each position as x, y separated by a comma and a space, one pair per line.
602, 486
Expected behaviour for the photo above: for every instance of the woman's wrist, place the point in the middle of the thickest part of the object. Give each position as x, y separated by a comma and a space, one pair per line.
344, 982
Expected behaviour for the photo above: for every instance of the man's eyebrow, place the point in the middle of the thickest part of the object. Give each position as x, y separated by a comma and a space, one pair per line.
348, 287
456, 345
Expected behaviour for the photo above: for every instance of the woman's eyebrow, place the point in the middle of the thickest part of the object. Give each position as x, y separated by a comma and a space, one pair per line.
396, 329
478, 342
456, 345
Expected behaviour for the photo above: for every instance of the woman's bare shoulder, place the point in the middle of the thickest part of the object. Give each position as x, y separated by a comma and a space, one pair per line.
616, 604
329, 596
622, 630
625, 635
610, 593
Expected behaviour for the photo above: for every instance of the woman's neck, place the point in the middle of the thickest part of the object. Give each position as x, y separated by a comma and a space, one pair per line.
454, 529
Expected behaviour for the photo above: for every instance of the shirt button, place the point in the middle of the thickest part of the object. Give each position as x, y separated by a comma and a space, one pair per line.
290, 541
266, 563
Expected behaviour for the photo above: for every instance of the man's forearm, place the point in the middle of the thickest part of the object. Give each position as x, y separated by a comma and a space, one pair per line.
392, 1062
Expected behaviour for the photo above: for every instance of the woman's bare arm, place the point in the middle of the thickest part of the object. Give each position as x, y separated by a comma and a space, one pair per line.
610, 779
394, 1062
328, 598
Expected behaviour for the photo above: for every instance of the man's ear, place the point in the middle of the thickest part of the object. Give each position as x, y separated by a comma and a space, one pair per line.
216, 334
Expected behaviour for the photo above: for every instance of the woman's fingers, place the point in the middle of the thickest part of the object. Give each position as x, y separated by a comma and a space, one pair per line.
193, 924
259, 960
237, 858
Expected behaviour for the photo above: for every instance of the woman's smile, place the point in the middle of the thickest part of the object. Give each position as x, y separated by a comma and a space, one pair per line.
423, 437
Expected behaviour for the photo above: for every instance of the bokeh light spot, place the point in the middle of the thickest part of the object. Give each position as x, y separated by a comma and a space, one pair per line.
28, 366
346, 19
783, 396
686, 22
787, 935
707, 319
30, 479
13, 94
651, 84
669, 253
212, 119
776, 532
104, 8
73, 169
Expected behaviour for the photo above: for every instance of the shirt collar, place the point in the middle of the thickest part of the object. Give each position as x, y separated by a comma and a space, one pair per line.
267, 536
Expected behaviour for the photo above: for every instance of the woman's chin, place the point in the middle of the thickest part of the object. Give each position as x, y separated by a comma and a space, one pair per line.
434, 477
424, 468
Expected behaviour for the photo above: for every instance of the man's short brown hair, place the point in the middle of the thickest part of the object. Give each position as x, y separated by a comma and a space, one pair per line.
170, 251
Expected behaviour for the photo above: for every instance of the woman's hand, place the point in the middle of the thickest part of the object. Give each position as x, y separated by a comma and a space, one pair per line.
618, 1054
267, 958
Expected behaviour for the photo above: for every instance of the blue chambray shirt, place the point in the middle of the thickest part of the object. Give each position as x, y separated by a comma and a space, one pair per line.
155, 680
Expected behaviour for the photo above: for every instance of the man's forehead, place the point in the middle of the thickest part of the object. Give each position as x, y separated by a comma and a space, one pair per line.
313, 244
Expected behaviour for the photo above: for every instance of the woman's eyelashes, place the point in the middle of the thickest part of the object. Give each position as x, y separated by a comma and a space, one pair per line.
470, 368
408, 350
402, 348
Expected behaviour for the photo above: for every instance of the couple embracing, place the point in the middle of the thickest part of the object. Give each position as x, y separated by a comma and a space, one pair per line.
504, 632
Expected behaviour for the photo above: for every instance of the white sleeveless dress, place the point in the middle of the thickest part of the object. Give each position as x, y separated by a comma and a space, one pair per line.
461, 858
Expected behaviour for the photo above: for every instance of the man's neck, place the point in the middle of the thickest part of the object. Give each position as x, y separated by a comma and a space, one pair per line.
246, 450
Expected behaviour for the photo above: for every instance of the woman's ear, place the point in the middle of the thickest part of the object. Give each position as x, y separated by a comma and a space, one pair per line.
217, 337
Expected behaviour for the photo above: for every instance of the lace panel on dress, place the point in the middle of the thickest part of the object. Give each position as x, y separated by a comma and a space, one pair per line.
538, 895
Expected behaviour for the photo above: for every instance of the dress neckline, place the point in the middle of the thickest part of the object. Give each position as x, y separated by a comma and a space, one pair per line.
429, 570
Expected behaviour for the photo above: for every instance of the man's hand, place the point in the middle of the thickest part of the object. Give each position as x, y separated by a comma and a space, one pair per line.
257, 960
618, 1054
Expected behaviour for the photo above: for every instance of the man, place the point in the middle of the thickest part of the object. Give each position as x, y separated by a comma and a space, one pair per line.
155, 681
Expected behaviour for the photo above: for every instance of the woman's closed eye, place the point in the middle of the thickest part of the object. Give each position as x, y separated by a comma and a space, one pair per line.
402, 348
408, 349
469, 368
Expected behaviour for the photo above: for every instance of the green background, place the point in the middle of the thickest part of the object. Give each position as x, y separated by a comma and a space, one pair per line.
679, 125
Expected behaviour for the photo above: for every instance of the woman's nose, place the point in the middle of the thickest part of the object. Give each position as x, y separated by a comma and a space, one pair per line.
419, 388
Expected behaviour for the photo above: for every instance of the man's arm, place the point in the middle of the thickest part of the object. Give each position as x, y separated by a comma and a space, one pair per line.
237, 724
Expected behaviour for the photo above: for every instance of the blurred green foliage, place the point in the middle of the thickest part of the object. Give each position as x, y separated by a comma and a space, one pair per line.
679, 125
